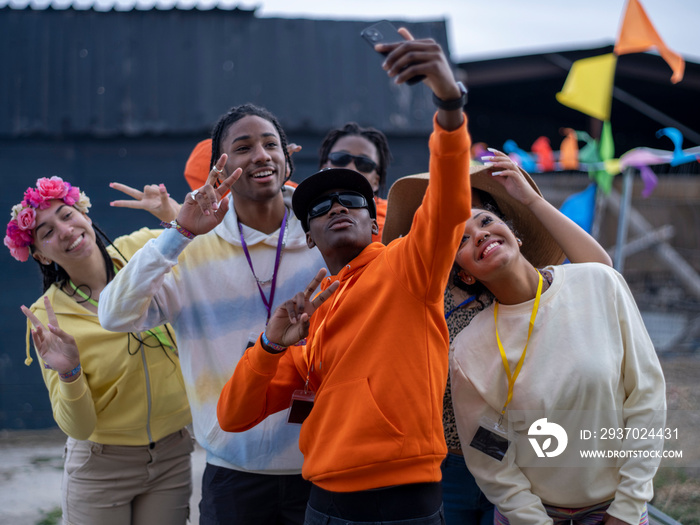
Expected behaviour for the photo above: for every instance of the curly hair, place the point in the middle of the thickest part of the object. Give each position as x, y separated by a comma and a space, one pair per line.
235, 114
373, 135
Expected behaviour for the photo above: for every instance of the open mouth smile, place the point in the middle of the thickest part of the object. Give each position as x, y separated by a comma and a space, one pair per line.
489, 248
75, 243
263, 174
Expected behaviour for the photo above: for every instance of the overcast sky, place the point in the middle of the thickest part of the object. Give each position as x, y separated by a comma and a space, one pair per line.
495, 28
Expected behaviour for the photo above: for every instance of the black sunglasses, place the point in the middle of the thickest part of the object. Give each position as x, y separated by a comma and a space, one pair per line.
349, 199
342, 159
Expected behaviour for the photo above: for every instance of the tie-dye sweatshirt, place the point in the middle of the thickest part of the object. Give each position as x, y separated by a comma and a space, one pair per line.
205, 288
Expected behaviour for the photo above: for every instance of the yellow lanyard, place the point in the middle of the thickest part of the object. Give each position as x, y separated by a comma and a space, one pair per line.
514, 376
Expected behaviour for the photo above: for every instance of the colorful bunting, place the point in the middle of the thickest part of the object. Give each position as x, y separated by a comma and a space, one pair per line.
644, 157
521, 157
580, 207
641, 159
649, 179
597, 157
479, 150
568, 151
679, 156
544, 154
588, 88
637, 34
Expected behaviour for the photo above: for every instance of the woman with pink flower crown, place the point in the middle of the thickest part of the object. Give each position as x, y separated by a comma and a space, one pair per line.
119, 397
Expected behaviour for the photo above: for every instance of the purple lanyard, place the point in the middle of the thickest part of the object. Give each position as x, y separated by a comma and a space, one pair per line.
278, 257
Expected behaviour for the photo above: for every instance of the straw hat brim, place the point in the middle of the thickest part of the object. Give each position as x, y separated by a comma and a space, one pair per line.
406, 194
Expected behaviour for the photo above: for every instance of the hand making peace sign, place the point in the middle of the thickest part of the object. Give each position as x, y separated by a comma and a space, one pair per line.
55, 347
289, 323
204, 208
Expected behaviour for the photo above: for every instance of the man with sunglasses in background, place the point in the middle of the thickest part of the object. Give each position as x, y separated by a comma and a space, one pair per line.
365, 150
368, 384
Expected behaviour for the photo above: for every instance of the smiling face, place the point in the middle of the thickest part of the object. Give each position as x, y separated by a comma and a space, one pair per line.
63, 235
341, 233
253, 144
357, 146
488, 246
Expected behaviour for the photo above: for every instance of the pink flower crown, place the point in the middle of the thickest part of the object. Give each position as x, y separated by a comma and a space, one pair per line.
19, 236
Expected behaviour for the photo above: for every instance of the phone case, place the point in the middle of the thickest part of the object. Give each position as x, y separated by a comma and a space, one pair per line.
385, 33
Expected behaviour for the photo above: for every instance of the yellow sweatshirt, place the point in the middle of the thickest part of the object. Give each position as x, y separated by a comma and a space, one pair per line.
128, 394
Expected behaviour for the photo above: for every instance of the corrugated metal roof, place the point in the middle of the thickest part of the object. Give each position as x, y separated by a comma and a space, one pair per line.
126, 5
73, 72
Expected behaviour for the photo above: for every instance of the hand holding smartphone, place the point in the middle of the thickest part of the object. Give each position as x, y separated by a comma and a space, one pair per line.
385, 33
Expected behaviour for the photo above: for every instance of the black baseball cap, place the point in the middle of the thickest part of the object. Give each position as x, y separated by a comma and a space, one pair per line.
324, 181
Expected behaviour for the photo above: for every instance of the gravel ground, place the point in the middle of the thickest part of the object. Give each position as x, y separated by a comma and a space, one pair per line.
31, 466
31, 462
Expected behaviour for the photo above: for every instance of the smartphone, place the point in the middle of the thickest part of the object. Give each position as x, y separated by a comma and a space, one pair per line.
385, 33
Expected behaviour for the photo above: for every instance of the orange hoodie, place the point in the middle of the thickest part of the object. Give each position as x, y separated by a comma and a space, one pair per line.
381, 205
379, 350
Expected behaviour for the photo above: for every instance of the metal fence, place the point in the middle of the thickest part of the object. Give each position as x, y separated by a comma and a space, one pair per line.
662, 250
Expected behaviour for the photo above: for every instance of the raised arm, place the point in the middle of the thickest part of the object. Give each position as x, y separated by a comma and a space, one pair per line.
577, 244
425, 57
425, 259
141, 295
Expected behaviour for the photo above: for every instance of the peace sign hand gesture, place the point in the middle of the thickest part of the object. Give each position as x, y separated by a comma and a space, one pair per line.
204, 208
154, 199
55, 347
289, 323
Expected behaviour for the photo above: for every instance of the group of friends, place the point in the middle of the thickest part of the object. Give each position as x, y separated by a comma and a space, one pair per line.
384, 397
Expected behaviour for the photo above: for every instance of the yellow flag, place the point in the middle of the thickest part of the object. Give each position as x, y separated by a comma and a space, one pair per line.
588, 88
637, 34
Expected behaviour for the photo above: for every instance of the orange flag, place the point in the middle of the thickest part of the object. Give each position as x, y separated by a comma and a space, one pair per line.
637, 34
568, 151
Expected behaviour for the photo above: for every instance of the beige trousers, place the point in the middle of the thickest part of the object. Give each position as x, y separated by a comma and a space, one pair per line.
122, 485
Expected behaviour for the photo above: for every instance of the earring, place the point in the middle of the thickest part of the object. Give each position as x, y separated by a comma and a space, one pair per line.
43, 260
520, 243
466, 278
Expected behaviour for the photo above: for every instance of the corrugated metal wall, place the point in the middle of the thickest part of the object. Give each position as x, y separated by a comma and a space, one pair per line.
128, 73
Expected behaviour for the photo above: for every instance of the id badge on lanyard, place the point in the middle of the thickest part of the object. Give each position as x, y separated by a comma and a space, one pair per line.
491, 438
300, 406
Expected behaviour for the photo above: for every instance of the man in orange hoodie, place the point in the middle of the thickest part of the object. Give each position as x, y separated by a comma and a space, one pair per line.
375, 362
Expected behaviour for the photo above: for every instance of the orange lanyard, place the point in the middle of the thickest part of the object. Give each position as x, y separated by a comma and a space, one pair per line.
514, 376
309, 351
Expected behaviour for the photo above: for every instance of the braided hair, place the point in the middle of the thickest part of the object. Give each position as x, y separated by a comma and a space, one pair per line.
235, 114
373, 135
54, 273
